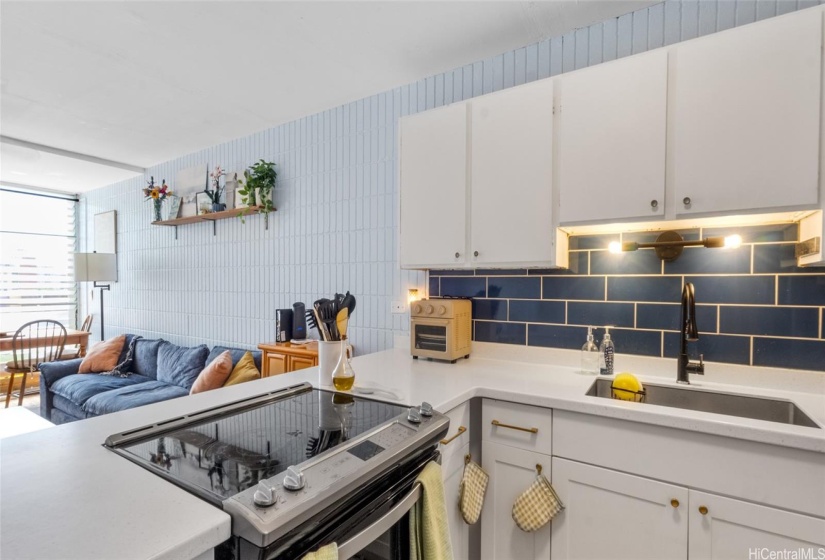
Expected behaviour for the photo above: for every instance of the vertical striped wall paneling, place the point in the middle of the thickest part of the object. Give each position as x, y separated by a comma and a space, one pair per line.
337, 195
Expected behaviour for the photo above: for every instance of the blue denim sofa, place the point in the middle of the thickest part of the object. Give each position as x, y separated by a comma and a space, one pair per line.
159, 371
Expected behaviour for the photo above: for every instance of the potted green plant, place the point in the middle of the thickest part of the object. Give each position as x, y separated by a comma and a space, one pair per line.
256, 187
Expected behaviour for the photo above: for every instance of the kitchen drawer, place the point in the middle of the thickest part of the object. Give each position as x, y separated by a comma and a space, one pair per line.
523, 426
459, 418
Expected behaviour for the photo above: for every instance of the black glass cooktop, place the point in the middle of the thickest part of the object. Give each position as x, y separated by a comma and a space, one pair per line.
224, 456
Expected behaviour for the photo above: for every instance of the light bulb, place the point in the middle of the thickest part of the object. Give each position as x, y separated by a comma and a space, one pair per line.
733, 241
412, 295
615, 247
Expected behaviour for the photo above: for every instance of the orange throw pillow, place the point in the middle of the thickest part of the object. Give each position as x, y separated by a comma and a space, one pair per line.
103, 356
213, 375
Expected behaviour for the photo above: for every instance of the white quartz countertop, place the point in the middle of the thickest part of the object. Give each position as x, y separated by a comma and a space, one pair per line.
63, 495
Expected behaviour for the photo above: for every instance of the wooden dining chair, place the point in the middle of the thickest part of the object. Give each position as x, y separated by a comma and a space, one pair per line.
73, 352
33, 343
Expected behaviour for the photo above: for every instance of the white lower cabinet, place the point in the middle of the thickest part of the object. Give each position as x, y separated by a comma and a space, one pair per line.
452, 472
615, 515
722, 528
511, 472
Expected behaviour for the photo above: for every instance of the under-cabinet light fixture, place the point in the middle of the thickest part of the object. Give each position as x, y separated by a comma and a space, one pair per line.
669, 244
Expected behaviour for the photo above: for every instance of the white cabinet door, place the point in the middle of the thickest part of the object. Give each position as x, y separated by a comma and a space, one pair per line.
433, 171
452, 472
746, 116
613, 515
734, 529
511, 176
511, 471
612, 131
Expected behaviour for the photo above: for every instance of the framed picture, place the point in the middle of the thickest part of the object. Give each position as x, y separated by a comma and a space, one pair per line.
189, 182
203, 203
106, 232
172, 207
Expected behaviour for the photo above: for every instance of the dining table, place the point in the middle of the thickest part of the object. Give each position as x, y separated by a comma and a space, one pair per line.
81, 338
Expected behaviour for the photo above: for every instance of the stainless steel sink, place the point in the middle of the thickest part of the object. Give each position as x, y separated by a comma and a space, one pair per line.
772, 410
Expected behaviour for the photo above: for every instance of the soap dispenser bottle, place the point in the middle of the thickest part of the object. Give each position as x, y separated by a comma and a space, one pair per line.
606, 350
590, 355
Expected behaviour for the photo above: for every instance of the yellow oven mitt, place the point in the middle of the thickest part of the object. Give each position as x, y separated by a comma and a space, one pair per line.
537, 506
471, 491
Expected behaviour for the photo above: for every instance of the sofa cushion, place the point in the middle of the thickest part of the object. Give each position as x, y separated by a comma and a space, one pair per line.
60, 417
65, 405
79, 387
132, 396
178, 365
103, 356
244, 371
214, 375
236, 354
145, 359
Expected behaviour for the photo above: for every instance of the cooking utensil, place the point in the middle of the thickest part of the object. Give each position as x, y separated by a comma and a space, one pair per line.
349, 303
341, 321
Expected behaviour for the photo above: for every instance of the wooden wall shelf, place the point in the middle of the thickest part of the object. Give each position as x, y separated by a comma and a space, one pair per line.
213, 217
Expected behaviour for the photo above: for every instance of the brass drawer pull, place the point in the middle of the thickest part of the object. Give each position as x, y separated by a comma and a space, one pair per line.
674, 502
703, 510
461, 430
519, 428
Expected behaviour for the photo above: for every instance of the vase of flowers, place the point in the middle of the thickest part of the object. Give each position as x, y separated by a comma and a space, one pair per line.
157, 194
215, 194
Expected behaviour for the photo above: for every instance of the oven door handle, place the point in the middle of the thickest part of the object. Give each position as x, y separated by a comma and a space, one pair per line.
360, 541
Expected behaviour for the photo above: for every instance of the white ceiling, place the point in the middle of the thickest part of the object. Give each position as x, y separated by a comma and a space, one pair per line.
145, 82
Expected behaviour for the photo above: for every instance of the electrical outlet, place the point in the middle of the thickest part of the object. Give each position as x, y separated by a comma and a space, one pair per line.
398, 307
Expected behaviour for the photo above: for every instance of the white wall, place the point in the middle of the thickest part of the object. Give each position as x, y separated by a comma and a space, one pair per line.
337, 196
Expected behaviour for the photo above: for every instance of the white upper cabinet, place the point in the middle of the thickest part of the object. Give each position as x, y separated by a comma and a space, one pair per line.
433, 170
746, 116
511, 177
612, 133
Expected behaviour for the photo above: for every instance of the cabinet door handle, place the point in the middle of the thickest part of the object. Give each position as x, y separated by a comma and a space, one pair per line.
654, 203
674, 502
475, 253
498, 424
703, 510
447, 441
686, 201
457, 254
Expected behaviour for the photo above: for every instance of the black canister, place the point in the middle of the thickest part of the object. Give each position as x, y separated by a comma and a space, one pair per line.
283, 325
299, 321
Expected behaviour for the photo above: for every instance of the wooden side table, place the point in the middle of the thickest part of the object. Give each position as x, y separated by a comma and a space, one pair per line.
284, 357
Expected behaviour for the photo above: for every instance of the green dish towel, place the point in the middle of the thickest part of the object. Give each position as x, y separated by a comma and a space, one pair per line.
328, 552
429, 533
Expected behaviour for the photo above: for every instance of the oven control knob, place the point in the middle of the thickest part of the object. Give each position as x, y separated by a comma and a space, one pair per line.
265, 495
414, 415
442, 310
429, 310
294, 479
426, 409
417, 309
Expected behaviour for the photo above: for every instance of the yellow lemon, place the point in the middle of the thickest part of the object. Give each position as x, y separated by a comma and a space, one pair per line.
625, 387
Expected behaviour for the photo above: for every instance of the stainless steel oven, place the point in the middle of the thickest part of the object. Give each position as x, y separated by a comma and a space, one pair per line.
299, 468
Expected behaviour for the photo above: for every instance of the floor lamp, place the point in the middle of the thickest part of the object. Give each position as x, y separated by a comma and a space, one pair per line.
96, 267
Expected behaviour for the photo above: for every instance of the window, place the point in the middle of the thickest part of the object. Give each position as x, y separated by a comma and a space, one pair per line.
37, 239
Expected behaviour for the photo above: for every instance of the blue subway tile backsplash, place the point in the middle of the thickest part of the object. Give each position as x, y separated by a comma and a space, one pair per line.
506, 287
644, 288
537, 311
802, 290
774, 321
573, 287
754, 306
